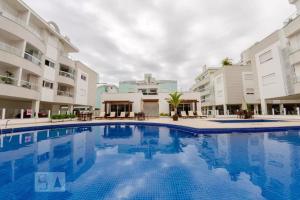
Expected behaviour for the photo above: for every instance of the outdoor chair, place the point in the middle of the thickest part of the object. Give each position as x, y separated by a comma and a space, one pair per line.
191, 114
131, 115
122, 115
101, 115
112, 115
183, 114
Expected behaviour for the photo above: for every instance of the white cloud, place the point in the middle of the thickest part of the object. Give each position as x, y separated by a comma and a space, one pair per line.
170, 38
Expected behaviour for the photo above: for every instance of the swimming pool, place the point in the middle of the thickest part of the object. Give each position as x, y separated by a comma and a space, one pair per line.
148, 162
229, 121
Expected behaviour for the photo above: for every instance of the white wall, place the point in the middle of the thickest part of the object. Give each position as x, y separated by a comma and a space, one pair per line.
270, 73
219, 89
81, 88
248, 86
47, 94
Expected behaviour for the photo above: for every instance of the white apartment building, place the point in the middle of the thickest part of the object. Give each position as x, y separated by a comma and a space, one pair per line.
225, 90
36, 72
149, 96
275, 63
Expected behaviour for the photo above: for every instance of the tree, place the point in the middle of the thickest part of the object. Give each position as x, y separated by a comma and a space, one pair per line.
175, 101
227, 62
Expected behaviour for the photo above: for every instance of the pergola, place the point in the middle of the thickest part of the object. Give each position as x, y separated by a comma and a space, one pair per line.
108, 104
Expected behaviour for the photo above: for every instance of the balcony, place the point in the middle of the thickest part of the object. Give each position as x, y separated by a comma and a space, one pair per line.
64, 93
66, 74
32, 59
64, 97
11, 87
295, 57
10, 49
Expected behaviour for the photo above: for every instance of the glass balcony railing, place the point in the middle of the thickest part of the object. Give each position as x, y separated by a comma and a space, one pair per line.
29, 85
10, 49
32, 59
64, 93
66, 74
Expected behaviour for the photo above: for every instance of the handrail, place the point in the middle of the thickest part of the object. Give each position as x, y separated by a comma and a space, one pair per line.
66, 74
10, 49
29, 85
64, 93
31, 58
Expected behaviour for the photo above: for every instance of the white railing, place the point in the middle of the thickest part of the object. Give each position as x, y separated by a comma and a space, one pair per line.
64, 93
33, 59
8, 80
66, 74
29, 85
10, 49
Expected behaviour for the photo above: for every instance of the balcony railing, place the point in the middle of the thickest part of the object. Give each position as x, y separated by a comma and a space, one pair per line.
8, 80
12, 81
66, 74
64, 93
10, 16
10, 49
291, 18
33, 59
29, 85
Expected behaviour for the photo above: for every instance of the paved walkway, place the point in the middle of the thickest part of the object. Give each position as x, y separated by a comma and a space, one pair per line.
195, 123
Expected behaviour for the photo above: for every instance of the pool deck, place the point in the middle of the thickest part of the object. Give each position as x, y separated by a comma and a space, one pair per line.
193, 123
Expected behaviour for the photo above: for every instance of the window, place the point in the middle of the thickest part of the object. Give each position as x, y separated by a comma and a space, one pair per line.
265, 57
47, 84
269, 79
49, 63
249, 91
83, 77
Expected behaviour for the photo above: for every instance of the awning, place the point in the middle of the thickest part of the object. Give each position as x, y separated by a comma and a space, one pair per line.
118, 102
151, 100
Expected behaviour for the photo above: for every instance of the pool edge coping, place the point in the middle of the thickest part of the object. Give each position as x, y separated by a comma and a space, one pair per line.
174, 126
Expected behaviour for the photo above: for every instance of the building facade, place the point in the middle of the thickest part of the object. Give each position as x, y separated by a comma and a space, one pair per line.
149, 86
102, 89
36, 71
149, 96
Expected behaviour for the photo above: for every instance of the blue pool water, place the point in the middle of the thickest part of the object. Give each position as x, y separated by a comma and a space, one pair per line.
149, 162
246, 121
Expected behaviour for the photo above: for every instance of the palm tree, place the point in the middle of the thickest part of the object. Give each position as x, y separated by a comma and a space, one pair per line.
227, 62
175, 101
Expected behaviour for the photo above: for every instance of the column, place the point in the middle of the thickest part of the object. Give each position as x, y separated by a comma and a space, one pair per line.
70, 108
214, 110
3, 114
225, 109
281, 108
264, 108
256, 109
19, 75
22, 113
35, 108
298, 111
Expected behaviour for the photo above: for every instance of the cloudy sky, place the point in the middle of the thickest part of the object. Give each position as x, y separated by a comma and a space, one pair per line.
172, 39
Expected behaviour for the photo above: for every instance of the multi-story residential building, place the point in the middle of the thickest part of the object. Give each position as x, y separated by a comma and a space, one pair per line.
225, 90
148, 96
36, 72
104, 88
148, 86
275, 64
204, 85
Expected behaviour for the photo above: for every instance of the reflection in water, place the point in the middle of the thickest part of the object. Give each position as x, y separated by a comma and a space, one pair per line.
127, 162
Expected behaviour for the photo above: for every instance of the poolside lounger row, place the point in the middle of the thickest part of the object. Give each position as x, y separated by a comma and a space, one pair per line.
191, 114
112, 115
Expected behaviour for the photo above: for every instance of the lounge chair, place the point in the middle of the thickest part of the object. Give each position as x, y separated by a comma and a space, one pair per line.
131, 115
191, 114
172, 113
101, 115
112, 115
183, 114
199, 114
122, 115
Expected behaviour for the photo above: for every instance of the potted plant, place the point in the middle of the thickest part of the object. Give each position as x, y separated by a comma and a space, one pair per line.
175, 101
8, 79
226, 62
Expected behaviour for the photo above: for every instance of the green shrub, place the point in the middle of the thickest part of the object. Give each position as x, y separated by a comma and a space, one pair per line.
63, 116
164, 114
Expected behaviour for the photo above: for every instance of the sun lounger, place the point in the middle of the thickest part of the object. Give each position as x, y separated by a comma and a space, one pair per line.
183, 114
131, 115
122, 115
172, 113
101, 115
199, 114
112, 115
191, 114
